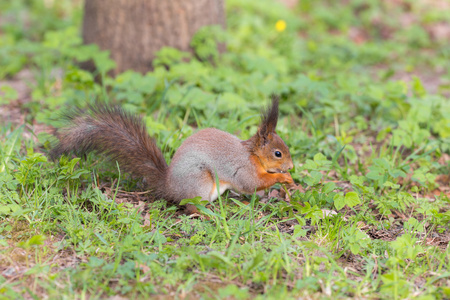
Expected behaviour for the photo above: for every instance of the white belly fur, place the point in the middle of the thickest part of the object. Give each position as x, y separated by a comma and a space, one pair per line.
222, 189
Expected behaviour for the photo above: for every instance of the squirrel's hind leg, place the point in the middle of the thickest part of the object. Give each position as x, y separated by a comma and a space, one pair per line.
203, 184
198, 183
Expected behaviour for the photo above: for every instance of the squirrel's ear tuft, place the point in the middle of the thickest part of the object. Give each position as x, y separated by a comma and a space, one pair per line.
269, 119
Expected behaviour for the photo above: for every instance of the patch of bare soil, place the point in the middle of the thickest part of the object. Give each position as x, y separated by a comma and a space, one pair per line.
384, 234
14, 112
289, 3
432, 80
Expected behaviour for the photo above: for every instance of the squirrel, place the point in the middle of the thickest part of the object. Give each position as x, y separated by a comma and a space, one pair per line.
244, 166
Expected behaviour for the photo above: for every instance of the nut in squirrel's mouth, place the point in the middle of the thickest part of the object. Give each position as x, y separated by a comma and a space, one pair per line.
274, 171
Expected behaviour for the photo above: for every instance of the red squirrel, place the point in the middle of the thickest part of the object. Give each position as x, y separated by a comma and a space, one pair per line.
244, 166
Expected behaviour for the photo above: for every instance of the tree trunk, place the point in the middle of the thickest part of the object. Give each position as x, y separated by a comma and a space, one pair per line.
133, 30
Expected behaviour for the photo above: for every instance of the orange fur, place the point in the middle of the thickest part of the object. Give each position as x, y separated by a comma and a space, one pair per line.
268, 179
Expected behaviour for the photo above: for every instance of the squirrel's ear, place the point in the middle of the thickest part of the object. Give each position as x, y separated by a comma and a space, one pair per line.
269, 119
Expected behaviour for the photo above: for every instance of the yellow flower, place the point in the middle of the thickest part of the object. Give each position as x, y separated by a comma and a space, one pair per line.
280, 25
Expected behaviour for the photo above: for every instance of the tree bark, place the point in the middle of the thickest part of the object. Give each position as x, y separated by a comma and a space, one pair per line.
133, 30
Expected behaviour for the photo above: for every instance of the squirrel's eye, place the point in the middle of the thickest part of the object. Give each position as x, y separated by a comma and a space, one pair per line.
277, 153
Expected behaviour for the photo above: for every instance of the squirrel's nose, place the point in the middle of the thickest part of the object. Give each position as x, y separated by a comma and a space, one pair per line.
291, 165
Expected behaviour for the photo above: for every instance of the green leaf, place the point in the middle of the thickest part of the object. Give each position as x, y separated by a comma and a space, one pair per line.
103, 63
357, 180
299, 231
256, 260
207, 211
354, 248
8, 209
168, 56
328, 187
317, 176
312, 180
397, 173
381, 162
375, 173
418, 88
391, 185
310, 165
352, 199
13, 140
36, 240
8, 180
314, 213
321, 160
339, 201
100, 237
221, 257
196, 200
319, 157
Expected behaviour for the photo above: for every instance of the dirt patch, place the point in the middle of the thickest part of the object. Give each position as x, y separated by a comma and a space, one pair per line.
289, 3
14, 113
432, 80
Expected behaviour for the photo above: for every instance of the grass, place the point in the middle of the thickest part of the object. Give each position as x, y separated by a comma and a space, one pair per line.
364, 110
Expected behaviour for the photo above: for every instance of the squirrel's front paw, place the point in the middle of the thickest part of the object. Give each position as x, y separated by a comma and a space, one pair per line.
287, 179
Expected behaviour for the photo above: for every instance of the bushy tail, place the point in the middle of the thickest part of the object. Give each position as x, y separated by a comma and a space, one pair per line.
118, 134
